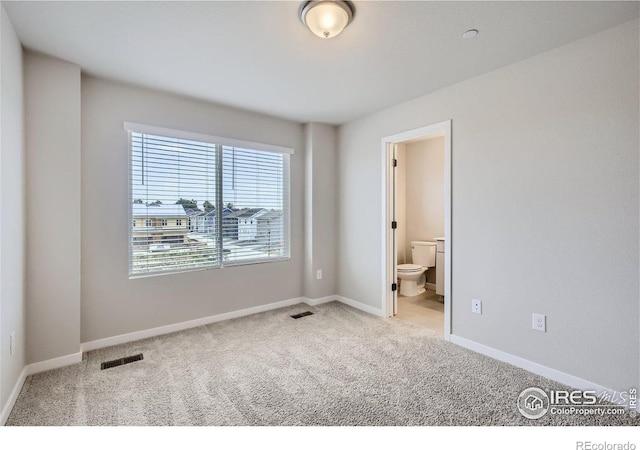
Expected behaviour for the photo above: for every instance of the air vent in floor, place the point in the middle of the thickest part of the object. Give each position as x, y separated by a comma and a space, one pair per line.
121, 361
302, 314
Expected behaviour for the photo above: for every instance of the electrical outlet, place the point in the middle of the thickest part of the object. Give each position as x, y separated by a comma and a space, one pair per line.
12, 342
476, 306
319, 274
539, 322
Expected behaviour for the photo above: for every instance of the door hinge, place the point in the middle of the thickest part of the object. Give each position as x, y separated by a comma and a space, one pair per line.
394, 225
394, 287
395, 162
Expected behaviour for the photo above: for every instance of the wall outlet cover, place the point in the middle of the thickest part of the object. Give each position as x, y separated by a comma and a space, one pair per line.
476, 306
539, 322
319, 274
12, 342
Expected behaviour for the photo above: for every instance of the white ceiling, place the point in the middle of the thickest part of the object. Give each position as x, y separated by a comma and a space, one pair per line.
258, 56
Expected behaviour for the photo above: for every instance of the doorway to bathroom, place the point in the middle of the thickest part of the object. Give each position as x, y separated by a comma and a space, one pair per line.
417, 226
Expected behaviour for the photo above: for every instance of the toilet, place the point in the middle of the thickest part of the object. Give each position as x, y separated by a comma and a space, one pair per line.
412, 275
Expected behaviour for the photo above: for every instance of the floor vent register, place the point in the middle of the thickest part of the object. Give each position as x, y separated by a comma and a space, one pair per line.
121, 361
302, 314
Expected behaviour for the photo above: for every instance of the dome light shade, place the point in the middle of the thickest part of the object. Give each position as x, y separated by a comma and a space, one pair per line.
326, 18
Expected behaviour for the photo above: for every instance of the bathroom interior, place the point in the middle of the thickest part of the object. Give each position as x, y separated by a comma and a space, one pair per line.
419, 212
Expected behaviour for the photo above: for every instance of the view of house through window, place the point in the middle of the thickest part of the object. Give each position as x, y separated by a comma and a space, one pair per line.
201, 205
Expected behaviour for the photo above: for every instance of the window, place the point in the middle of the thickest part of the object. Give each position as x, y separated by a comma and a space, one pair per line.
234, 196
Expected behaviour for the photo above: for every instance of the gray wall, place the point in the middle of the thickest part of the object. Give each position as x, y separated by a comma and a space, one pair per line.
320, 210
12, 209
545, 205
52, 112
112, 304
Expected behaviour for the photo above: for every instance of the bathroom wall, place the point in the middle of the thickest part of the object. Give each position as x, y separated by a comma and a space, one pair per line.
402, 257
424, 194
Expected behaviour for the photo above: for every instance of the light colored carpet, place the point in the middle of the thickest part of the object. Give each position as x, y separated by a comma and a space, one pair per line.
339, 366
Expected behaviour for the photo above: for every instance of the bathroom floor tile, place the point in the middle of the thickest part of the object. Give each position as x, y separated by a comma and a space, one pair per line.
426, 309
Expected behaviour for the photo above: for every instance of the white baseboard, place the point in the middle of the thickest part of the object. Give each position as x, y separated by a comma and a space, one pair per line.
152, 332
538, 369
11, 401
361, 306
54, 363
319, 301
346, 301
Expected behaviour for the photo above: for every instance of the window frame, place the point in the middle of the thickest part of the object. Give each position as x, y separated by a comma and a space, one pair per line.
220, 142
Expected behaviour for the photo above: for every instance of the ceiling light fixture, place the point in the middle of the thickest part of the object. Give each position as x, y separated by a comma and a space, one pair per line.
470, 33
326, 18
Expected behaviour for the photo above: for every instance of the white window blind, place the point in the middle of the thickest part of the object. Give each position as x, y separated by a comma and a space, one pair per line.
202, 202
